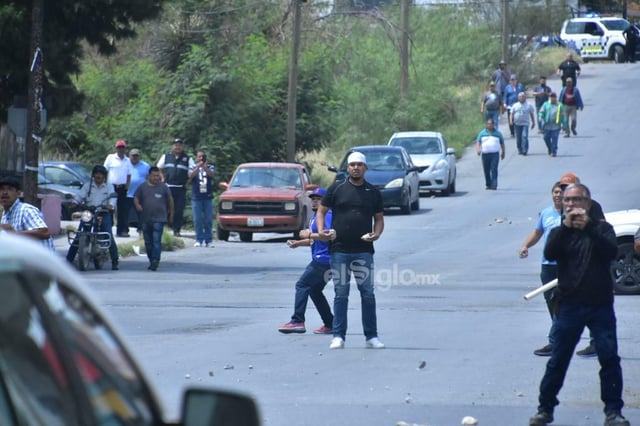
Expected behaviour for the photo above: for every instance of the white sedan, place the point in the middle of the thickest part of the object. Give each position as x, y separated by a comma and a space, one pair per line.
626, 268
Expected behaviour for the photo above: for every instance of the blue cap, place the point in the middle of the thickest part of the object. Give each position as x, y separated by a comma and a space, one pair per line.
318, 192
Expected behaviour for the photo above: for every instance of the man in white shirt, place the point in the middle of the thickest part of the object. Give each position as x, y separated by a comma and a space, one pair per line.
119, 168
522, 116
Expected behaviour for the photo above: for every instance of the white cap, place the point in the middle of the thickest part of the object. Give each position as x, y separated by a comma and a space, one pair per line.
356, 157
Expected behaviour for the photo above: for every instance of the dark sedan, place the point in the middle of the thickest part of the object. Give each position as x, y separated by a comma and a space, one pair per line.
392, 171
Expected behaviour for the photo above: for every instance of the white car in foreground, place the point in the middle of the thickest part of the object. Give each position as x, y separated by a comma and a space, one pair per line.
626, 268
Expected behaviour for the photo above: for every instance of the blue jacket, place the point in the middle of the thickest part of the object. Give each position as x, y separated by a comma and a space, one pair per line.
576, 93
510, 95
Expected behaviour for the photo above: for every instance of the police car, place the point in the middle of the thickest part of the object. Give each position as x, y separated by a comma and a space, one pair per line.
596, 37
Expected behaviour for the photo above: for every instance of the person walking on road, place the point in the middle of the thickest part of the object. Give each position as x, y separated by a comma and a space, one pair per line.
153, 199
583, 250
510, 97
315, 276
175, 166
501, 77
568, 68
541, 92
490, 145
548, 219
522, 115
357, 208
139, 173
119, 167
572, 100
553, 116
632, 37
21, 218
201, 177
491, 105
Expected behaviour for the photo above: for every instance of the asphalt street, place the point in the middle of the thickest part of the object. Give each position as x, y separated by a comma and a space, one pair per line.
459, 335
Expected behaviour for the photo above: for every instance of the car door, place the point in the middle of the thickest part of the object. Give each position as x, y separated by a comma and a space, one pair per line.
593, 42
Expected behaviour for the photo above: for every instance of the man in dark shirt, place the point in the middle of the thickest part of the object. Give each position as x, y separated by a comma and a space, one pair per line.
355, 204
583, 249
569, 69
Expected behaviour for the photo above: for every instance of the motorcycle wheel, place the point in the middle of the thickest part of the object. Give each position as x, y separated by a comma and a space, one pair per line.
84, 252
99, 258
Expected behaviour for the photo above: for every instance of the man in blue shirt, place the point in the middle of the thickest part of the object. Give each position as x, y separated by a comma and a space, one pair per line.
139, 173
548, 219
510, 97
315, 276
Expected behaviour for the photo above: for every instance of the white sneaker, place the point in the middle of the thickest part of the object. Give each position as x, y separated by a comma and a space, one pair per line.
197, 244
209, 245
337, 343
375, 343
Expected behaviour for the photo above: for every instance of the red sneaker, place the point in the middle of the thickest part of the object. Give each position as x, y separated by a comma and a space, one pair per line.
292, 327
323, 330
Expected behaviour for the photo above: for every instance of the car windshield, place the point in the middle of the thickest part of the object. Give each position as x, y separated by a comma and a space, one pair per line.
615, 24
419, 145
268, 177
381, 160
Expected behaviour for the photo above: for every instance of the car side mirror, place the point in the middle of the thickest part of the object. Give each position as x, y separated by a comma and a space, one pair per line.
209, 407
75, 184
223, 185
451, 151
333, 169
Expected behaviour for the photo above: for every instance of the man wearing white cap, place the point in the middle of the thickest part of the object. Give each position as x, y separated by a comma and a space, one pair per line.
357, 221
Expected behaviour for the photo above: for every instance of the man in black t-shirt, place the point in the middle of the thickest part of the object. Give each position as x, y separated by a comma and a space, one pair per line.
569, 69
356, 206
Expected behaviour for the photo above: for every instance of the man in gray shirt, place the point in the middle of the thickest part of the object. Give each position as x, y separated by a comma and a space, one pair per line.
153, 199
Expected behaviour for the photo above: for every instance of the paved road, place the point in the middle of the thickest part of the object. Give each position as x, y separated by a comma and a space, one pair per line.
209, 316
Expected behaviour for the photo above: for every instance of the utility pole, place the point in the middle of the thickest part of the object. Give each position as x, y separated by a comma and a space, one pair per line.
293, 84
34, 105
404, 61
505, 30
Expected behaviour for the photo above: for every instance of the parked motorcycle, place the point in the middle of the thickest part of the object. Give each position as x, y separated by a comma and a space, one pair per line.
93, 244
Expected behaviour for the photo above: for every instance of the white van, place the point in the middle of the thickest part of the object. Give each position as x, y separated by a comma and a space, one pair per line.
596, 38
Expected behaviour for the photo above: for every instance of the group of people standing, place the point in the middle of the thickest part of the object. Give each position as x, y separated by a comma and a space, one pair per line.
552, 113
157, 193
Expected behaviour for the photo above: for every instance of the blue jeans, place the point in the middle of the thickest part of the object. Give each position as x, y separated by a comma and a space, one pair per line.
203, 219
494, 114
490, 165
105, 226
551, 140
343, 265
152, 232
522, 138
566, 331
310, 285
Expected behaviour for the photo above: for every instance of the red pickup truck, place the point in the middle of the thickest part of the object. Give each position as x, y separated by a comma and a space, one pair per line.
264, 197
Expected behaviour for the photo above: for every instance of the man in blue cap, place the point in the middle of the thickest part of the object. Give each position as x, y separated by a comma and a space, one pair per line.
315, 276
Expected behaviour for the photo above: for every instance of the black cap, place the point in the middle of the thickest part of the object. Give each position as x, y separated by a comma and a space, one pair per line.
177, 140
10, 181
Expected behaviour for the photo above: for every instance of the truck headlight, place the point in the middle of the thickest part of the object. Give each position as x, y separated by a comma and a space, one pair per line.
290, 206
226, 205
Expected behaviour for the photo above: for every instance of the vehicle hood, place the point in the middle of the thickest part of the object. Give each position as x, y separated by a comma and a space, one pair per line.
258, 193
624, 222
425, 159
381, 178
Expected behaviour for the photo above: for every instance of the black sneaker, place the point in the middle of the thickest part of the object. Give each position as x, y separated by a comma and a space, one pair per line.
587, 352
616, 419
574, 132
542, 418
154, 265
543, 351
114, 266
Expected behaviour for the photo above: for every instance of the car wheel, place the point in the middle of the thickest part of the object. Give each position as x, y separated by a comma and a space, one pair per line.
246, 237
618, 54
406, 207
221, 234
626, 270
452, 186
416, 204
84, 252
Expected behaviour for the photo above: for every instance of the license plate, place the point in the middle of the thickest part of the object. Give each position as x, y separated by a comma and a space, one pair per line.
255, 221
